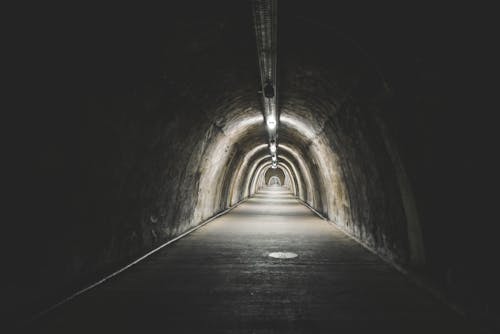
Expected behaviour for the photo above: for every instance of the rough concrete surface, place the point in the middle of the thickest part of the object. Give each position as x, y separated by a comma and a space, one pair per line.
220, 279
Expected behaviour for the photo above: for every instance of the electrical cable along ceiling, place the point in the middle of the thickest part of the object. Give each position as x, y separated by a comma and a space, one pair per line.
265, 23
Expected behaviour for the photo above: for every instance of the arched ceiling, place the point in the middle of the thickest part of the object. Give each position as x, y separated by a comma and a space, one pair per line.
330, 139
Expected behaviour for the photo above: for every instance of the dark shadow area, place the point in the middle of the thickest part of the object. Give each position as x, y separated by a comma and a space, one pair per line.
127, 126
331, 281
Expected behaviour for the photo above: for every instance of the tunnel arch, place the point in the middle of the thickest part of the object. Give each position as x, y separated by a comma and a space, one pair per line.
237, 190
295, 177
263, 162
258, 159
290, 181
274, 181
328, 129
278, 172
261, 177
290, 177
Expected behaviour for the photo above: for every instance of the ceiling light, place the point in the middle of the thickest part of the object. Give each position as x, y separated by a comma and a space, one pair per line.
271, 123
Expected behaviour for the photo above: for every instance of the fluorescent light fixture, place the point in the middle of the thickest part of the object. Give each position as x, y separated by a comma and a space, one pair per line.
271, 123
274, 158
272, 147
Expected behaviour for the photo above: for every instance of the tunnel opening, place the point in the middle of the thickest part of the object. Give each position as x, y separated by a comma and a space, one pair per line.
276, 173
274, 181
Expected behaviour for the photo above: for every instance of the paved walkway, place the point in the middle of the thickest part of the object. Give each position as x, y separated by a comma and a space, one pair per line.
221, 279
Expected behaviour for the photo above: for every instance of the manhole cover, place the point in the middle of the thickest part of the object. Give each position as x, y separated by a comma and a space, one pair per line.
283, 255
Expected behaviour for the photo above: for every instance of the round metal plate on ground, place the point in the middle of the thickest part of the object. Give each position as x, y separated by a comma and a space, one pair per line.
283, 255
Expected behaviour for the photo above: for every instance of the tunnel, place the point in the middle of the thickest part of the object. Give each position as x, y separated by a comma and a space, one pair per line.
143, 129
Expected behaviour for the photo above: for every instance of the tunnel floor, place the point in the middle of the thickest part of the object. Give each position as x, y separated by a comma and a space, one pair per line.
221, 279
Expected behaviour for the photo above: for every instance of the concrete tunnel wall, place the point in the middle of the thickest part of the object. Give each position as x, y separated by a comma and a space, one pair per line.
168, 131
